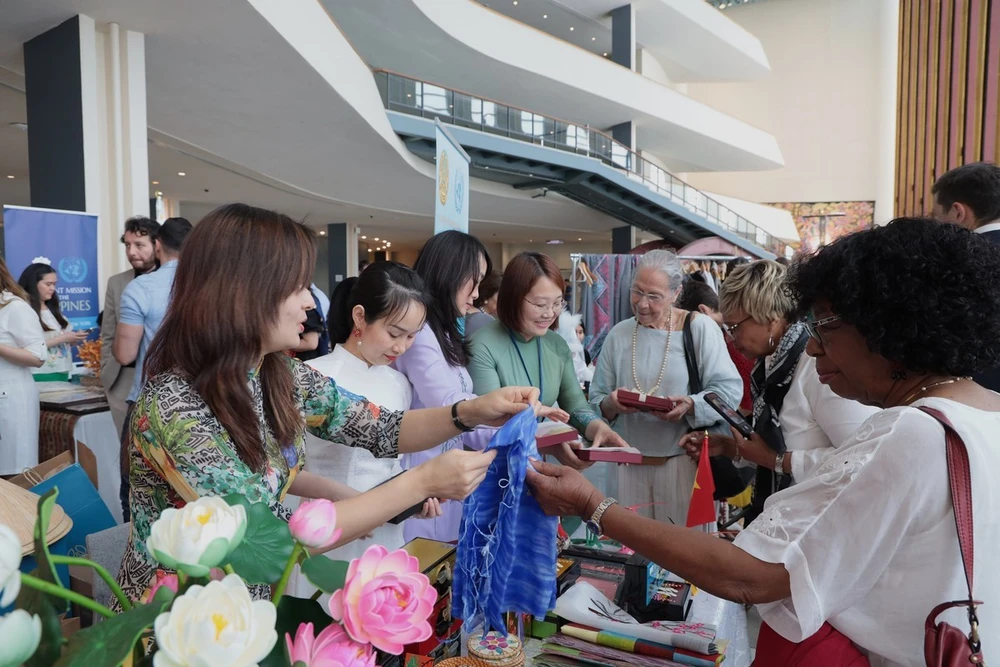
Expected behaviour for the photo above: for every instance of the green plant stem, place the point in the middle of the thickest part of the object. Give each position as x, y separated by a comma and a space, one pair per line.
316, 595
289, 566
58, 591
228, 569
104, 574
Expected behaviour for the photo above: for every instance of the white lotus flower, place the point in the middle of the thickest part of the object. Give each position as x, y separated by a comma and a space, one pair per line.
21, 634
10, 564
197, 537
217, 624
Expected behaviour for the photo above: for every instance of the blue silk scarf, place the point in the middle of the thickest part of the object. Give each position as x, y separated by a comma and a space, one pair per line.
506, 560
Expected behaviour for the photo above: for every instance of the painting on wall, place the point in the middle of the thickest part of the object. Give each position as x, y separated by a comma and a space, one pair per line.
820, 223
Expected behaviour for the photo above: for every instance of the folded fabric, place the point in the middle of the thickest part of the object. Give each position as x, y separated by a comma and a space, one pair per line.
506, 546
587, 606
638, 652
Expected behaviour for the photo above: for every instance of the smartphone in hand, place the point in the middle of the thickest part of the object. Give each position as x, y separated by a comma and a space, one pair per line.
732, 417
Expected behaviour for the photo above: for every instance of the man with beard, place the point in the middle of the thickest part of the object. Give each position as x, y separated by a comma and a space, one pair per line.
140, 248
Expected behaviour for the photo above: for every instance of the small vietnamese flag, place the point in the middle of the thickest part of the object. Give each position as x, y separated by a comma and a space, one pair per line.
702, 508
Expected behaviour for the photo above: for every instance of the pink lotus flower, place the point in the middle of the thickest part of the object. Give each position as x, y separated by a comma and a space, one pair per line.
332, 648
169, 579
386, 600
314, 523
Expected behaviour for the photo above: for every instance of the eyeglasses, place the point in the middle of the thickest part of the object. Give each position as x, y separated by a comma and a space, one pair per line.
543, 308
812, 325
653, 299
731, 329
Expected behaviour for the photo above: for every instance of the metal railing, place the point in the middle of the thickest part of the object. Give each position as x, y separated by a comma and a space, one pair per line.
413, 96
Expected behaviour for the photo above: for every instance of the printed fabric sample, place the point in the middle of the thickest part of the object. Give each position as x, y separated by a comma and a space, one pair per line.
506, 545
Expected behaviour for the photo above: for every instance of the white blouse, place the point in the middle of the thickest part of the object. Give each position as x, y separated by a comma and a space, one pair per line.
19, 408
814, 420
869, 541
60, 357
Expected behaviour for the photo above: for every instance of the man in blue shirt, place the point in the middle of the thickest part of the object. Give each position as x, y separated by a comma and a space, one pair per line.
143, 306
144, 302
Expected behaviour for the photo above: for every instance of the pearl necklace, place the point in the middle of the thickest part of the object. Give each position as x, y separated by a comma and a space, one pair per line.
666, 355
909, 399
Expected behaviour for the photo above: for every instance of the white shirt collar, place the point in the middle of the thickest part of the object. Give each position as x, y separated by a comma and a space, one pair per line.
989, 227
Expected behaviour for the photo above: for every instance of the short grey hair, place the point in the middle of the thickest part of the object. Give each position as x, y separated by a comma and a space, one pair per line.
665, 262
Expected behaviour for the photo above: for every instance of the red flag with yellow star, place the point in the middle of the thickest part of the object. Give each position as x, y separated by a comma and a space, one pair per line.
702, 508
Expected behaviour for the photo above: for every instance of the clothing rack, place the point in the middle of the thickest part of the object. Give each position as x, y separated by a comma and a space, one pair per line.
576, 257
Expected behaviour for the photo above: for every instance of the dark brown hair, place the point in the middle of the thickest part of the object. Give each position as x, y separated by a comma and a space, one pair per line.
8, 284
489, 286
239, 264
519, 278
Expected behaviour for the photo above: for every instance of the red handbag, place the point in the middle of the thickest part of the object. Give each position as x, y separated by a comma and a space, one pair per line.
944, 644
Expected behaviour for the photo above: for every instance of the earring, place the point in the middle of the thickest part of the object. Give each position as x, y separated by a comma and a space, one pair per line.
357, 333
898, 374
770, 341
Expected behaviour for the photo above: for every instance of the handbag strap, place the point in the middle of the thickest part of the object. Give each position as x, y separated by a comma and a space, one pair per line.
960, 481
694, 376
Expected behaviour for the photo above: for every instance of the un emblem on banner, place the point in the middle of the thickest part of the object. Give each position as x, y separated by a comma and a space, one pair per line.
72, 269
443, 177
459, 191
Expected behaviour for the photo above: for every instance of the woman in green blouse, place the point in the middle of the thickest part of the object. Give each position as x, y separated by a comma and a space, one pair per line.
224, 410
521, 348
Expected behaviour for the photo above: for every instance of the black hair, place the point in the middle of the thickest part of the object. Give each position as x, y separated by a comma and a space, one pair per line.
923, 294
734, 262
29, 280
384, 290
488, 288
977, 185
696, 294
172, 233
446, 262
140, 225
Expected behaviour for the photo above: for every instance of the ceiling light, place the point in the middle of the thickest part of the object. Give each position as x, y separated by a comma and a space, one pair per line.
593, 39
157, 194
515, 3
545, 16
579, 239
369, 249
322, 233
605, 55
156, 182
376, 238
20, 126
571, 28
181, 173
554, 242
10, 175
530, 241
364, 238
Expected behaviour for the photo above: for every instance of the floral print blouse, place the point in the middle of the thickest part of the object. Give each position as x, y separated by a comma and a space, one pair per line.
179, 451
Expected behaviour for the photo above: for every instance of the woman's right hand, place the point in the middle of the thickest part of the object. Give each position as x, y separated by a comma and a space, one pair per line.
72, 337
565, 455
455, 474
612, 407
718, 445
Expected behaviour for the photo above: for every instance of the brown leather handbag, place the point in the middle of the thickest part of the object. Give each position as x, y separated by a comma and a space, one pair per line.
944, 644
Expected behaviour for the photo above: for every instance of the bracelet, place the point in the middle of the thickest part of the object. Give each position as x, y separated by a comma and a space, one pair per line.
458, 422
779, 466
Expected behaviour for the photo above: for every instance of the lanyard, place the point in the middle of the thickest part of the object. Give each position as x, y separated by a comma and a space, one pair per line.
538, 345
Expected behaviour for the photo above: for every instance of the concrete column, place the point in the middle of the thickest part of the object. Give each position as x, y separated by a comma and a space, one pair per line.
622, 240
623, 36
341, 252
885, 149
624, 133
86, 102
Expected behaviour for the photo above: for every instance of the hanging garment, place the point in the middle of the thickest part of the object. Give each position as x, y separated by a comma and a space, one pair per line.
506, 545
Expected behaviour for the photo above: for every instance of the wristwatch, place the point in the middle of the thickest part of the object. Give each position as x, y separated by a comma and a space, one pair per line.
458, 422
594, 523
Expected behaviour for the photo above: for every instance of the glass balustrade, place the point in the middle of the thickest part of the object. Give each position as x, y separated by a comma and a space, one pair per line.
411, 96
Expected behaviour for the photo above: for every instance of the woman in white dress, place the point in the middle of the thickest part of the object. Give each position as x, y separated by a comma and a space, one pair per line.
22, 347
373, 320
39, 282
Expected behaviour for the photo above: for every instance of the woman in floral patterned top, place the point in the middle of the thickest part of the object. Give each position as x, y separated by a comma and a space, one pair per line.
224, 411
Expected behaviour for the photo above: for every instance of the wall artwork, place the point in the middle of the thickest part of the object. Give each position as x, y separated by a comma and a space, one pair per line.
820, 223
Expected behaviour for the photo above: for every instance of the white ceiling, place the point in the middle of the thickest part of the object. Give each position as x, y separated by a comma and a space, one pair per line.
692, 41
236, 108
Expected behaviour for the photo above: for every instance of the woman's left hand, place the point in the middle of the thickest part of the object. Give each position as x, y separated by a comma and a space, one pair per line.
683, 406
496, 407
754, 449
562, 491
432, 509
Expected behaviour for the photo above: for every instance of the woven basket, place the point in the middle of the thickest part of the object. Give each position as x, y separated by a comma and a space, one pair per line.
471, 661
19, 508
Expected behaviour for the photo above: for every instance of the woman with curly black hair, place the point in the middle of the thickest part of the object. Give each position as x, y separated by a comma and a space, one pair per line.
865, 546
